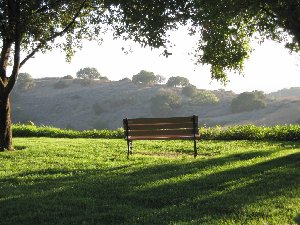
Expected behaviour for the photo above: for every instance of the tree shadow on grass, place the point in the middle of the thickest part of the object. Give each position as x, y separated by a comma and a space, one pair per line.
297, 219
189, 192
222, 194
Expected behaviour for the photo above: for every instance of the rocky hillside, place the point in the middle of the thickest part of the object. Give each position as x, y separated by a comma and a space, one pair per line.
94, 104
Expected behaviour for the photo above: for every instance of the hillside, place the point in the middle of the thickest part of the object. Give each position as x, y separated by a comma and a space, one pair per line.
81, 104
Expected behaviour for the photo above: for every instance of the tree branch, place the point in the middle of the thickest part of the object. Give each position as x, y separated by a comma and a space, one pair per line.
54, 35
44, 8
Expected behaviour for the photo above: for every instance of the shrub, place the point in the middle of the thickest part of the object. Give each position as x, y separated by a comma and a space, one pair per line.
248, 101
189, 90
68, 77
61, 84
204, 97
164, 103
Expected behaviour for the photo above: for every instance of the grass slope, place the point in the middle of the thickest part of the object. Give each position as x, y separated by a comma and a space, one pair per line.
90, 181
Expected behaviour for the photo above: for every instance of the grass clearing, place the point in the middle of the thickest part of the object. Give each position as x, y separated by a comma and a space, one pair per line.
90, 181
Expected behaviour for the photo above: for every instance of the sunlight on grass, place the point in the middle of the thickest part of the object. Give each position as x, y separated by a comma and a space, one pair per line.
91, 181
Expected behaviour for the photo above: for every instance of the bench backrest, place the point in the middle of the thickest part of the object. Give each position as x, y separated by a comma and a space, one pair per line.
161, 128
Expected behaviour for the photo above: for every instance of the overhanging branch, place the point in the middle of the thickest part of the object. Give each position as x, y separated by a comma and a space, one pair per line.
45, 7
54, 35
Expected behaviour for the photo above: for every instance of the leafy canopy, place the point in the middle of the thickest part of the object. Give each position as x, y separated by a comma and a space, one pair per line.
225, 27
178, 81
146, 77
88, 73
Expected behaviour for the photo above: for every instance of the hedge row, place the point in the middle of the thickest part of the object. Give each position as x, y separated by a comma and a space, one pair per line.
239, 132
20, 130
252, 132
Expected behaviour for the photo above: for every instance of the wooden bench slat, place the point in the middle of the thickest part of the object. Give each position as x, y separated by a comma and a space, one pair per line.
161, 120
183, 132
160, 126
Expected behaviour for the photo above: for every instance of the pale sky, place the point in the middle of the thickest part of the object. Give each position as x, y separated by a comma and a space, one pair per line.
269, 68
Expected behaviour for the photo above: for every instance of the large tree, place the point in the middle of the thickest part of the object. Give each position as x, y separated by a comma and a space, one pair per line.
29, 27
225, 29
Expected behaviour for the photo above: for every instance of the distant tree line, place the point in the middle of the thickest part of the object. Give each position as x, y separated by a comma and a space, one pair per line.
149, 78
164, 102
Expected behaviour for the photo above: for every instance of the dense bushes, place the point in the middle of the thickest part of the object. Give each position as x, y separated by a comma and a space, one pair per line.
204, 98
252, 132
189, 91
20, 130
164, 103
239, 132
248, 101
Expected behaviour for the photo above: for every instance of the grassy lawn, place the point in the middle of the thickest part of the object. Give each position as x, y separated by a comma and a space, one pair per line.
90, 181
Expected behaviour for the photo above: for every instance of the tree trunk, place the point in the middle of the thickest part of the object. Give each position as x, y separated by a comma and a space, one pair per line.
5, 124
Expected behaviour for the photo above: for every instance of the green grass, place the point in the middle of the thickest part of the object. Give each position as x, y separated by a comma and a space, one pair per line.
90, 181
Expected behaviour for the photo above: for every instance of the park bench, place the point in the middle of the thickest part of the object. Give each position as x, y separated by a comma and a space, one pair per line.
173, 128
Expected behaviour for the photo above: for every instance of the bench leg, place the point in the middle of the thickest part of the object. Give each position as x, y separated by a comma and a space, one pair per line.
129, 148
195, 149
